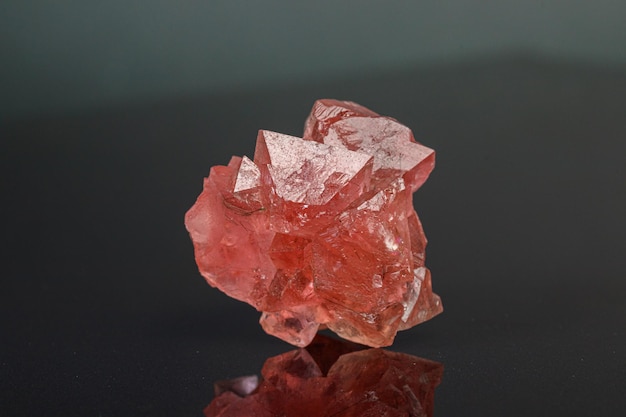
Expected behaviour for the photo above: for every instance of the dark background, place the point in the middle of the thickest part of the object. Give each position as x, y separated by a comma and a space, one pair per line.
102, 309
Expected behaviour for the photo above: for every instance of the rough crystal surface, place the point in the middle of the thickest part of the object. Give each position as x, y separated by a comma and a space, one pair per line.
320, 231
333, 378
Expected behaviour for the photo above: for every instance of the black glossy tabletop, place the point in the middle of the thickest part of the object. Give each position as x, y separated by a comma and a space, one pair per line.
103, 312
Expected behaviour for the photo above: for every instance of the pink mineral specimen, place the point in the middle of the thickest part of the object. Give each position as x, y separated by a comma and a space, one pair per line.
332, 378
320, 231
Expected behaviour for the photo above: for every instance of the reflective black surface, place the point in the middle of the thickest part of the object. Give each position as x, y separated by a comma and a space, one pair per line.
331, 377
103, 311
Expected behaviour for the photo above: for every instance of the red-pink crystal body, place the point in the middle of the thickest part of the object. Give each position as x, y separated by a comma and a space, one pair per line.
332, 378
320, 231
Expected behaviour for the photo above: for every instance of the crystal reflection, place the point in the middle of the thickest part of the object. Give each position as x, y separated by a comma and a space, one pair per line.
332, 378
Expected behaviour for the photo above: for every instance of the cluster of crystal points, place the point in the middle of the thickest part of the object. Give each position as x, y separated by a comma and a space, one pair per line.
320, 231
331, 378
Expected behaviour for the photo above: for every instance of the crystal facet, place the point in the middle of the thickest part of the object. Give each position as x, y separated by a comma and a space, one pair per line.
320, 231
333, 378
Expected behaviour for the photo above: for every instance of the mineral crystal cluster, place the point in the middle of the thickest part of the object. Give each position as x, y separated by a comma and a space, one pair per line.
320, 231
332, 378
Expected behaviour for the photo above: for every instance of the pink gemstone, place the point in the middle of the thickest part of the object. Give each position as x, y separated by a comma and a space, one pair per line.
320, 232
308, 183
328, 111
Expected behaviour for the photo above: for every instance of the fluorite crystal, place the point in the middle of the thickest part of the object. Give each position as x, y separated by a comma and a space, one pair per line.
320, 231
332, 378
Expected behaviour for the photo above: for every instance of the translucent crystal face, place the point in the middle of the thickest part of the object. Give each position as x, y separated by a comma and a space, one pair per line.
320, 231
